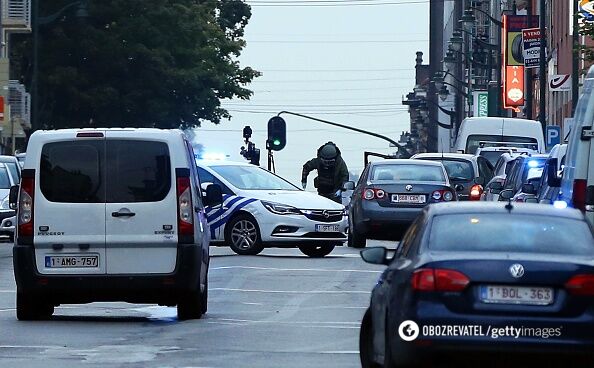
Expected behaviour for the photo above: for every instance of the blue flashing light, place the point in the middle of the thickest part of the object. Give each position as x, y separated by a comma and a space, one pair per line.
560, 204
533, 163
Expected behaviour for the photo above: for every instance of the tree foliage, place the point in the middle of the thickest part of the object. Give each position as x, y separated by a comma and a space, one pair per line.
138, 63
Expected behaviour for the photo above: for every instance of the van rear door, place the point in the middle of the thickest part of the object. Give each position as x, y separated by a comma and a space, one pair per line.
69, 205
141, 208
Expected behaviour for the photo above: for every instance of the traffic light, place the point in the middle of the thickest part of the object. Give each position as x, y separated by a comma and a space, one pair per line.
277, 134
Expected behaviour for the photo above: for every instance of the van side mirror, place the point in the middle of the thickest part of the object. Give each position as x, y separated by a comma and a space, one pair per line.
13, 197
506, 194
375, 255
479, 181
553, 179
214, 195
205, 186
349, 185
458, 187
528, 188
496, 187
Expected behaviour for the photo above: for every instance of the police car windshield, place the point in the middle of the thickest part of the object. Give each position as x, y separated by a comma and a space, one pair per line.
252, 178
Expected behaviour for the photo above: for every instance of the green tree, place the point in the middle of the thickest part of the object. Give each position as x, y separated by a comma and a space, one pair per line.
138, 63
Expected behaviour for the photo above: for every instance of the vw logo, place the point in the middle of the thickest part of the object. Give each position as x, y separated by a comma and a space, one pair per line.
409, 187
516, 270
326, 214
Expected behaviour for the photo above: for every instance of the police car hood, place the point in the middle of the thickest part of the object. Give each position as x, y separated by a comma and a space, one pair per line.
296, 198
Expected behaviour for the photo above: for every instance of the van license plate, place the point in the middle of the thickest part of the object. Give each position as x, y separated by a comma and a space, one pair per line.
72, 261
516, 295
327, 228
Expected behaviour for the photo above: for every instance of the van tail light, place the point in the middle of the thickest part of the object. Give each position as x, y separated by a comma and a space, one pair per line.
579, 194
428, 279
26, 205
581, 285
475, 192
372, 193
185, 208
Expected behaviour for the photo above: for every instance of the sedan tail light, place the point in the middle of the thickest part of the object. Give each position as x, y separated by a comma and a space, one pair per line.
428, 279
581, 285
475, 192
442, 195
373, 193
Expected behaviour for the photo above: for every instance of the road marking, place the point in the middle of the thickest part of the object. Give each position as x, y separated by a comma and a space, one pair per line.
285, 322
7, 291
290, 269
293, 291
340, 352
246, 303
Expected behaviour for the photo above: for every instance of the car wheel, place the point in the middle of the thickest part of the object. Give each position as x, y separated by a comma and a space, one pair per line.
355, 239
366, 342
29, 309
190, 306
243, 236
316, 251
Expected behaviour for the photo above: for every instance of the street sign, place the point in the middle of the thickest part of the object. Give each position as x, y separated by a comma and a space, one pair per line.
560, 82
514, 86
481, 103
553, 135
531, 47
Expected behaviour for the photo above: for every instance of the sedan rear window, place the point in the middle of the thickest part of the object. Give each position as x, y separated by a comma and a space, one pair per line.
457, 169
4, 179
511, 233
407, 172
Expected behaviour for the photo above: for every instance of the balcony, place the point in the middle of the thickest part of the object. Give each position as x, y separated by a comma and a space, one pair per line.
16, 15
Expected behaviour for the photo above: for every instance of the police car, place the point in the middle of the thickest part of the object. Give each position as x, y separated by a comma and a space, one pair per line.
261, 209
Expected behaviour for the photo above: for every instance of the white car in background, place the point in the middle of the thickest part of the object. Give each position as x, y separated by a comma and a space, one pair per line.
261, 209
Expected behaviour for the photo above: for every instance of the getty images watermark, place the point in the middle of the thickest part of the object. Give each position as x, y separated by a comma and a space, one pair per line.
410, 330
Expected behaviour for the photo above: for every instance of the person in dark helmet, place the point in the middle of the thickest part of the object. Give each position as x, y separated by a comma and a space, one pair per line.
332, 172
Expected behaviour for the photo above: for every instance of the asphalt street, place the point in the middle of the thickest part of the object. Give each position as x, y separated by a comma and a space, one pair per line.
277, 309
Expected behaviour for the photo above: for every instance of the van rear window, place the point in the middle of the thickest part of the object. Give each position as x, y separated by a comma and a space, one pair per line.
474, 141
72, 172
112, 171
137, 171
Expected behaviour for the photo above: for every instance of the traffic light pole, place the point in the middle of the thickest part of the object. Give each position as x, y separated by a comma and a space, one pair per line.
400, 147
271, 166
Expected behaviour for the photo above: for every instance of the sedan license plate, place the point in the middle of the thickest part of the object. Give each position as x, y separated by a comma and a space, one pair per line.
516, 295
72, 261
408, 198
327, 228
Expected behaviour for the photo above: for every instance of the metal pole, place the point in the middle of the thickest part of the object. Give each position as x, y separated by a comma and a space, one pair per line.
34, 86
499, 72
529, 84
543, 66
576, 63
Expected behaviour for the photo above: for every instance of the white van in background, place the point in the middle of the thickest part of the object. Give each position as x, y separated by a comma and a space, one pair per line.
496, 131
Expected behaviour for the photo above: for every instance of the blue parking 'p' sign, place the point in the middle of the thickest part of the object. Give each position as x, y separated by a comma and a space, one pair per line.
553, 135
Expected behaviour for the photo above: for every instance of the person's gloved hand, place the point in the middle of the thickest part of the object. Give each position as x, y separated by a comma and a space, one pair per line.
303, 184
338, 193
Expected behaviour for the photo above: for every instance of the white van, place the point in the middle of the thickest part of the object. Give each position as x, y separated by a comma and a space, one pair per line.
577, 182
110, 215
478, 132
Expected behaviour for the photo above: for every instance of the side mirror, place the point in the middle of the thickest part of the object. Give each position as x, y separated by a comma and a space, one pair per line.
349, 185
496, 187
553, 179
531, 200
13, 197
590, 195
458, 187
214, 195
375, 255
480, 181
528, 188
205, 186
506, 194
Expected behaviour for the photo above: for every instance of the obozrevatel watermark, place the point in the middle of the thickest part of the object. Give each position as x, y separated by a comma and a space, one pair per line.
410, 330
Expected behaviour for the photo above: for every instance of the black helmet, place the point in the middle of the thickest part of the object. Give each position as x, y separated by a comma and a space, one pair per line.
328, 154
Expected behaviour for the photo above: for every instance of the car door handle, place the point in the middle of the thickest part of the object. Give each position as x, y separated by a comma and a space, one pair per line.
123, 214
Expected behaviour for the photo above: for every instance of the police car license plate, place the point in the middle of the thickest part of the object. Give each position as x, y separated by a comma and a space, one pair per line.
408, 198
327, 228
516, 295
72, 261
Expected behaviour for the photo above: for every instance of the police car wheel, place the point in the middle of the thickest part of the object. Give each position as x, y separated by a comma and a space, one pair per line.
316, 251
243, 236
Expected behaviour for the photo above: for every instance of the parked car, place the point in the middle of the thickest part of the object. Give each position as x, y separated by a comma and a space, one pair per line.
111, 215
456, 267
21, 158
390, 194
6, 182
496, 131
523, 167
493, 153
469, 171
13, 166
547, 192
495, 185
261, 209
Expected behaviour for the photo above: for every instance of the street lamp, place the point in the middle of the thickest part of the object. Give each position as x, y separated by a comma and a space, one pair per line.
443, 92
468, 20
456, 41
81, 13
450, 59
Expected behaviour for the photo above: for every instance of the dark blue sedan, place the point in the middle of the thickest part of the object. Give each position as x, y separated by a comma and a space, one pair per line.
483, 276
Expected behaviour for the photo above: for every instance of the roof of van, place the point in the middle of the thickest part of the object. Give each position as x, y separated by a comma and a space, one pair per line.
81, 130
494, 119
